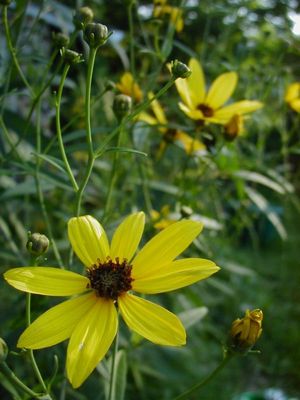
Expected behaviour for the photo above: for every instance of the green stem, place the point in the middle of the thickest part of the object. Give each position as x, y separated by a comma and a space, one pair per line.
58, 128
13, 51
101, 149
199, 385
113, 176
91, 159
111, 394
16, 381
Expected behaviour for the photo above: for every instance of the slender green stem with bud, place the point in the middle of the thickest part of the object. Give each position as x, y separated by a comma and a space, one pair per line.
91, 157
58, 128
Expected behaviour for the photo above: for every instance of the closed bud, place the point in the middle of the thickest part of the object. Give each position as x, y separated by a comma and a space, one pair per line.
83, 16
180, 70
37, 244
60, 39
3, 350
95, 34
122, 105
71, 57
245, 331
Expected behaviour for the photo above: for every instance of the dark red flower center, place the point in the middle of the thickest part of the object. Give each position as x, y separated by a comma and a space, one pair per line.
111, 278
206, 110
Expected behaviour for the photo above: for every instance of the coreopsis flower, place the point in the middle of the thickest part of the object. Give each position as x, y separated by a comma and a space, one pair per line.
292, 96
128, 86
162, 9
208, 106
90, 318
246, 331
169, 135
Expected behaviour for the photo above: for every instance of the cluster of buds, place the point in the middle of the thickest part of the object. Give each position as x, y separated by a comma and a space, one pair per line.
245, 331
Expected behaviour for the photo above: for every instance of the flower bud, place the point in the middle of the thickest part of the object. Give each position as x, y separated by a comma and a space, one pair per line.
180, 70
60, 39
5, 2
83, 16
122, 105
71, 57
246, 331
3, 350
95, 34
37, 244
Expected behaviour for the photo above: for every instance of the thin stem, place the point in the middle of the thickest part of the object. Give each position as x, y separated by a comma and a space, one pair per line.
13, 51
111, 394
16, 381
91, 159
197, 386
113, 176
58, 128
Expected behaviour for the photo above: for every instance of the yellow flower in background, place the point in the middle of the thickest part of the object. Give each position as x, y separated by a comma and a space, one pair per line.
161, 219
209, 107
292, 96
162, 9
170, 135
89, 319
128, 86
246, 331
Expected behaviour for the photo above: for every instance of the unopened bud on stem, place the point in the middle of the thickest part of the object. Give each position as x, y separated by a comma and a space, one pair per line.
122, 105
83, 16
37, 244
95, 34
180, 70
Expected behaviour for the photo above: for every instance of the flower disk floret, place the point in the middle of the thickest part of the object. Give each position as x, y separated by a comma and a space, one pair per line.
89, 319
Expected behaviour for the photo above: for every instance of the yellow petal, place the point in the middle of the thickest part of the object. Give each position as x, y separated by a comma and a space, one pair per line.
295, 105
176, 275
191, 112
224, 114
152, 321
127, 236
47, 281
56, 324
189, 144
88, 239
91, 340
221, 89
164, 247
196, 82
184, 91
158, 110
292, 92
145, 117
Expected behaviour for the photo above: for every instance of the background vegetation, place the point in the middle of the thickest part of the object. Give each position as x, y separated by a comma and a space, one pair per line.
245, 190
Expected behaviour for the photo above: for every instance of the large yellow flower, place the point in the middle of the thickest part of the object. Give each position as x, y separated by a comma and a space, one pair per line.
292, 96
200, 105
169, 135
128, 86
112, 271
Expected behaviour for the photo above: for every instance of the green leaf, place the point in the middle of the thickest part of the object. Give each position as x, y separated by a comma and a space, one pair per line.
57, 163
261, 179
126, 150
193, 316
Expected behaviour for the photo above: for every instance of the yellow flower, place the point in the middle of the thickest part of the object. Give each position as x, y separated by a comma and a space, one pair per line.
246, 331
129, 87
161, 9
169, 135
90, 318
162, 220
292, 96
200, 105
